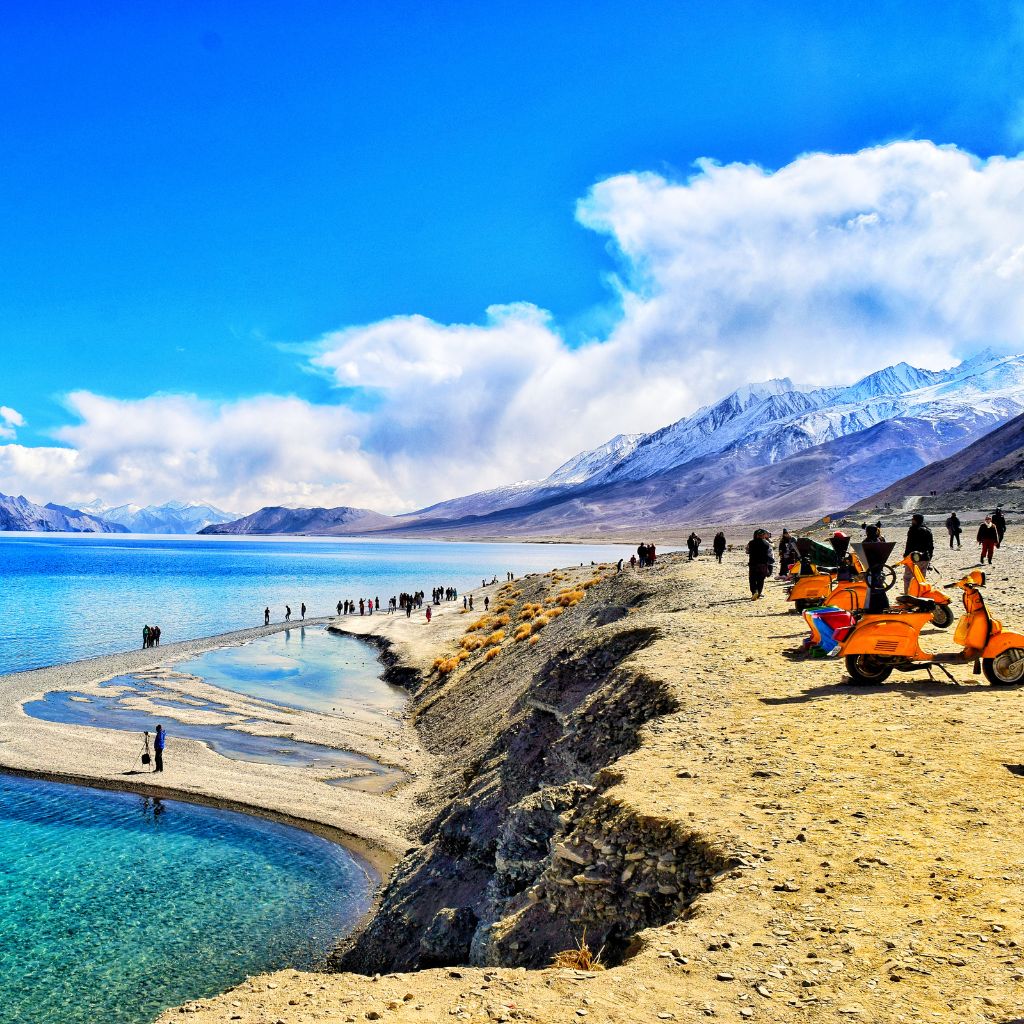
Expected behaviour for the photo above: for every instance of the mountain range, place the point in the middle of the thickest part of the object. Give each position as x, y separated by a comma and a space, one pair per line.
174, 517
18, 513
975, 475
767, 451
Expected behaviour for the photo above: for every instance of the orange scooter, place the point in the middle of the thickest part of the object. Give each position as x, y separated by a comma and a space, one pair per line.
942, 614
818, 587
883, 642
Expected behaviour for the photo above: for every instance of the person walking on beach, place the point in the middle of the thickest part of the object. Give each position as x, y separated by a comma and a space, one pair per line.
266, 616
953, 528
145, 637
302, 610
487, 604
159, 741
718, 545
760, 557
999, 522
988, 538
428, 613
287, 613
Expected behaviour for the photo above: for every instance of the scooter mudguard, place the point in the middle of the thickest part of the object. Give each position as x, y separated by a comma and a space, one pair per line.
811, 588
1002, 641
890, 636
850, 596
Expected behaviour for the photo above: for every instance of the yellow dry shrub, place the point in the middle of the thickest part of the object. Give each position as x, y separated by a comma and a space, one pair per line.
495, 638
533, 640
461, 656
481, 623
582, 958
522, 632
587, 584
539, 624
553, 613
471, 643
568, 598
492, 653
501, 620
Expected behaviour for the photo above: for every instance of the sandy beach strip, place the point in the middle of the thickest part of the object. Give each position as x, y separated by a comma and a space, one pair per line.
337, 802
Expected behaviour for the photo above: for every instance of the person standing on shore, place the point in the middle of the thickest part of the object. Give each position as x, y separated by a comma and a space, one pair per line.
266, 616
428, 613
988, 538
999, 522
145, 637
302, 610
287, 613
718, 545
760, 557
159, 741
953, 528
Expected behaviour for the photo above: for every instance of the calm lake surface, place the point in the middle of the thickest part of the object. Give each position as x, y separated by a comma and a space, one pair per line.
114, 907
70, 596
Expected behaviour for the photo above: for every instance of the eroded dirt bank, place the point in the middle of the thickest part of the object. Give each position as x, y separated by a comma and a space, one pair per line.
748, 838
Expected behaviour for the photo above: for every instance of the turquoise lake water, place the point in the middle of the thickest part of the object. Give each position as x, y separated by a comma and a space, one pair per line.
114, 907
306, 667
65, 597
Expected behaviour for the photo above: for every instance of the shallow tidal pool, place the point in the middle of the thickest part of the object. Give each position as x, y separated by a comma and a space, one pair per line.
115, 906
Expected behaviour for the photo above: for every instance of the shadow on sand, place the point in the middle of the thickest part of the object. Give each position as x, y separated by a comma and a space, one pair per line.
911, 688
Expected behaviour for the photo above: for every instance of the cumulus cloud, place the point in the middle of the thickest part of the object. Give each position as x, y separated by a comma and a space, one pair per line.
10, 419
823, 270
262, 450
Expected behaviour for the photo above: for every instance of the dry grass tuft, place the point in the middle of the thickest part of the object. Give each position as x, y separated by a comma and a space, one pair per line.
482, 623
582, 958
492, 653
501, 620
522, 632
539, 624
495, 638
533, 640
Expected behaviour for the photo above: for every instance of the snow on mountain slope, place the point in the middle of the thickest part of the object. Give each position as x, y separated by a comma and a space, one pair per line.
764, 424
173, 517
18, 513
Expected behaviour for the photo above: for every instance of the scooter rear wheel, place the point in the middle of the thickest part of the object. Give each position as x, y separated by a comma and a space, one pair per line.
1006, 669
867, 669
942, 616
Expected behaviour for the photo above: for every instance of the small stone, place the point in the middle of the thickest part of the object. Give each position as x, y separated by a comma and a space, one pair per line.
725, 976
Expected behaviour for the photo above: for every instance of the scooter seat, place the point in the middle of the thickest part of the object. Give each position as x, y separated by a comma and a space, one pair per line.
917, 604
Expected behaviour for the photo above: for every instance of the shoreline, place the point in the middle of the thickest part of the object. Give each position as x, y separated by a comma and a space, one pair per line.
373, 826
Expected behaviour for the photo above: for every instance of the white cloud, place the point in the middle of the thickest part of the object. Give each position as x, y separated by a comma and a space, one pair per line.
9, 420
823, 270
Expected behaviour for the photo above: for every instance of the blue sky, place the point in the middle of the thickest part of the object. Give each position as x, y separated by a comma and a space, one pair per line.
192, 194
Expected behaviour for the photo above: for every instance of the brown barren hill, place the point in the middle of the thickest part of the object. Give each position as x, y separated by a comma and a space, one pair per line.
995, 460
745, 838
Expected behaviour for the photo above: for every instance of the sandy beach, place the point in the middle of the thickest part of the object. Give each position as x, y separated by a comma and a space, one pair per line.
373, 824
863, 844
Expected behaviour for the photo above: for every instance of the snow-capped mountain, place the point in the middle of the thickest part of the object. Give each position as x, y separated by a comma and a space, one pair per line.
702, 458
18, 513
174, 517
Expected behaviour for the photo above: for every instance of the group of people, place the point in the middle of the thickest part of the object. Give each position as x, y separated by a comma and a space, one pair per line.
990, 533
645, 556
693, 543
440, 594
150, 636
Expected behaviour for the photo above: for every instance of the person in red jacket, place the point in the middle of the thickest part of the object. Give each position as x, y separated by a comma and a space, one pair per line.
988, 538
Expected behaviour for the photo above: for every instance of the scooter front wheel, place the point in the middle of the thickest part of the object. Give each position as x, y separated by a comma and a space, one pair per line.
1006, 669
867, 669
942, 616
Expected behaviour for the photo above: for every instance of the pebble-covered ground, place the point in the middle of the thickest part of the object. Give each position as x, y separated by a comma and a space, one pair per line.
877, 832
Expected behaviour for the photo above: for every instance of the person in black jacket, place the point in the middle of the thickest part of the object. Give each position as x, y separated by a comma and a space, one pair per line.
999, 521
718, 545
919, 539
760, 560
953, 526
